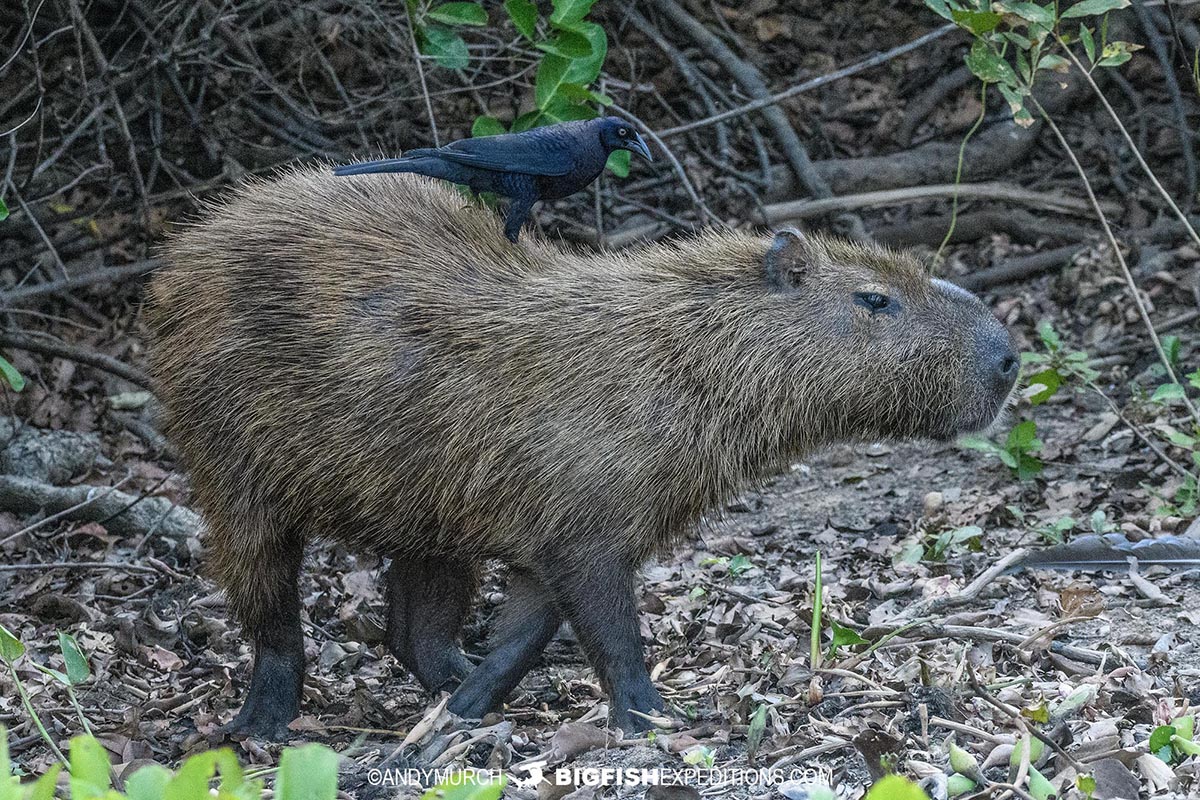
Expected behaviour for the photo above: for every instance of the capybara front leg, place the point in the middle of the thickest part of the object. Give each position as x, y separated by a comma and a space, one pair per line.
598, 600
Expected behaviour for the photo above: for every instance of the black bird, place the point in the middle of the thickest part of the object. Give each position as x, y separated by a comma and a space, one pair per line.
541, 164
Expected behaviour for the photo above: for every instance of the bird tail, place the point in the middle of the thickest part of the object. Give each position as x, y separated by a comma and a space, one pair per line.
416, 162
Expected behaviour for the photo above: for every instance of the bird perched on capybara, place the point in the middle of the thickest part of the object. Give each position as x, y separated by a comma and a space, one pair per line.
369, 361
547, 163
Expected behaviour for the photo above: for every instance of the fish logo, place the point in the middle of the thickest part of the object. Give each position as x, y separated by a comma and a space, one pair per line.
536, 776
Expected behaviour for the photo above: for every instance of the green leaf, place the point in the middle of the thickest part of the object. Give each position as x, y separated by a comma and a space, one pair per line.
843, 637
942, 8
89, 769
11, 376
551, 75
575, 93
1176, 437
1028, 467
43, 787
1046, 384
1193, 378
1024, 67
1023, 437
1029, 744
524, 16
1185, 747
1053, 62
756, 729
699, 756
53, 673
563, 110
1185, 727
959, 784
459, 14
1089, 44
10, 786
526, 121
895, 787
1050, 338
739, 564
977, 22
148, 783
1039, 712
1115, 60
1167, 392
466, 787
912, 553
979, 443
191, 782
585, 70
1086, 784
1016, 104
308, 772
1031, 12
486, 126
1089, 8
1039, 786
962, 762
1171, 346
3, 211
1023, 42
814, 639
618, 163
987, 65
446, 47
10, 646
73, 657
955, 536
1085, 693
567, 43
570, 12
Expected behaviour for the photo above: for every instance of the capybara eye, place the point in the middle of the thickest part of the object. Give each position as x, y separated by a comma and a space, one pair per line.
874, 301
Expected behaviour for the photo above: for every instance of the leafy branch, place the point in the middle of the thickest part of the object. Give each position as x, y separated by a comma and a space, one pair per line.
571, 49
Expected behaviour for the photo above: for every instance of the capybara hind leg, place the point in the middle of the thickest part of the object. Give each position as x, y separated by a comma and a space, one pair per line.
528, 622
263, 593
428, 601
600, 604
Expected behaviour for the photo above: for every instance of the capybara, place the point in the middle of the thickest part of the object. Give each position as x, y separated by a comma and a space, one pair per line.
369, 360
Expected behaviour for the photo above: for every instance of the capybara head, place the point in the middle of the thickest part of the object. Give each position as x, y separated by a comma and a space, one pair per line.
895, 353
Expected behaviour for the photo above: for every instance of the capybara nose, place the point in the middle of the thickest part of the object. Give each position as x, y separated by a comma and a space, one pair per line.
1005, 364
1008, 367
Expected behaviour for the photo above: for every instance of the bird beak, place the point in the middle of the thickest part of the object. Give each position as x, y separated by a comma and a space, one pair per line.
638, 145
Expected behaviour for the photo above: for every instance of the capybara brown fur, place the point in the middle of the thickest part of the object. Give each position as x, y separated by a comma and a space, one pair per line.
369, 360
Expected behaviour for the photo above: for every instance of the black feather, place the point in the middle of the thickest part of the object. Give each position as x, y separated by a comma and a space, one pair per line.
1112, 551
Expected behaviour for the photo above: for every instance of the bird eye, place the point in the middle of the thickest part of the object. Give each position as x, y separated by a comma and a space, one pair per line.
622, 131
874, 301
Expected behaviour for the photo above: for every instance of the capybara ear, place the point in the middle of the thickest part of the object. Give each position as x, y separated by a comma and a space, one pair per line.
788, 259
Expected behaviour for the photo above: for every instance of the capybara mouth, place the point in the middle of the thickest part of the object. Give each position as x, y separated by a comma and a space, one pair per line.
983, 421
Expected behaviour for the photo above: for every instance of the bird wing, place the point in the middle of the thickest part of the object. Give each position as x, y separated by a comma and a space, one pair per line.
529, 153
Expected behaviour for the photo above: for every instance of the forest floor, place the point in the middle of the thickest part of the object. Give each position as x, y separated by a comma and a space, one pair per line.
1095, 660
